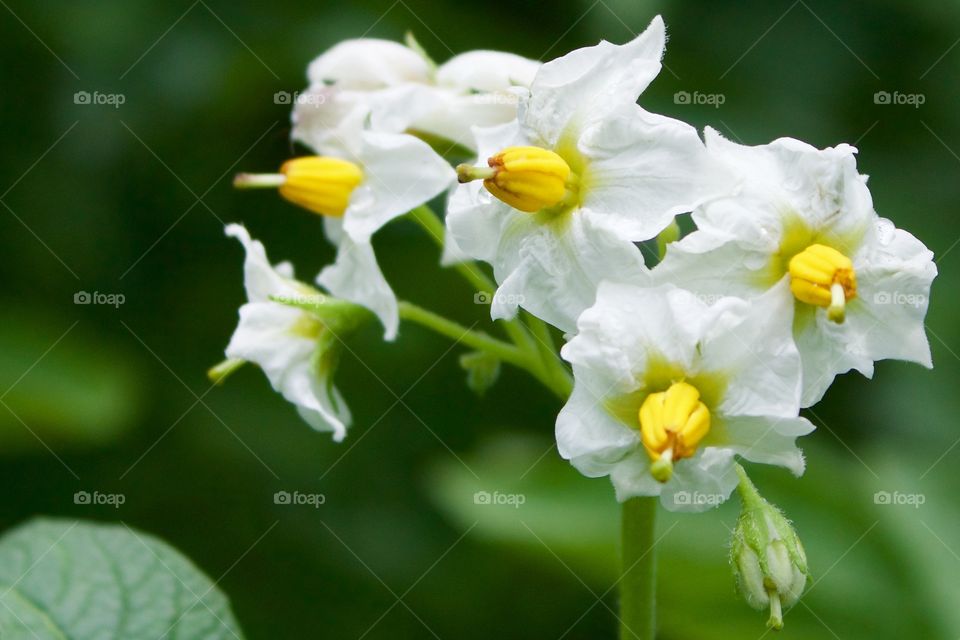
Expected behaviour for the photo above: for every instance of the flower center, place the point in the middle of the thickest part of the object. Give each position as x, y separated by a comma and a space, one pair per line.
307, 326
319, 184
824, 277
526, 178
672, 424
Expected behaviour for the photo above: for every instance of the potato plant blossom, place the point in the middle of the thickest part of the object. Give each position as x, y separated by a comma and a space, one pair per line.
669, 389
296, 349
399, 89
582, 174
858, 286
670, 375
368, 180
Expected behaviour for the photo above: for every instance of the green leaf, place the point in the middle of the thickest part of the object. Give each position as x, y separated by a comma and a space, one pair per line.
77, 580
482, 369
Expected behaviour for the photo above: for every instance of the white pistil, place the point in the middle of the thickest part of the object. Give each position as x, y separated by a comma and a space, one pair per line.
259, 180
469, 173
776, 611
838, 302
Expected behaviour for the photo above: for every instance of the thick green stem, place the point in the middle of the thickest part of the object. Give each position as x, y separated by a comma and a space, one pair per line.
638, 584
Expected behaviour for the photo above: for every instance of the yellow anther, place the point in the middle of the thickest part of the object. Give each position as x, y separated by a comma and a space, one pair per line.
320, 184
526, 178
672, 424
824, 277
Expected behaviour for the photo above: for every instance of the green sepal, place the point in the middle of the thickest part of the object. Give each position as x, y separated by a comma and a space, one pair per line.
482, 369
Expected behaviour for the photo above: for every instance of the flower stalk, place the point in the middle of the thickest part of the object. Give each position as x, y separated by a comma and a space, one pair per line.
638, 581
534, 342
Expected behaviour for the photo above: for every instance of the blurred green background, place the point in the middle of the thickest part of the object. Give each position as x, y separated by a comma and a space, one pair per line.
131, 200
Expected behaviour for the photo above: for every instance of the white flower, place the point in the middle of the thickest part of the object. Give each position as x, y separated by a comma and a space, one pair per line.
400, 173
295, 349
669, 389
582, 175
805, 216
398, 90
364, 181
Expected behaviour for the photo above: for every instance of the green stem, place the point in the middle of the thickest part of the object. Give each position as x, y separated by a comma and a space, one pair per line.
552, 363
471, 272
638, 585
457, 332
749, 496
222, 371
433, 225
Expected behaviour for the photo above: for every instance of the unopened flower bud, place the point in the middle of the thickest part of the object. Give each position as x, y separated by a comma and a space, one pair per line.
767, 558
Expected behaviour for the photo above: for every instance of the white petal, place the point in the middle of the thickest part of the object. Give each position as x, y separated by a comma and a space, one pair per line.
260, 279
474, 217
588, 435
894, 288
329, 120
400, 173
700, 483
486, 71
321, 421
553, 269
885, 320
586, 84
266, 337
827, 349
452, 116
452, 253
320, 404
356, 276
476, 220
758, 357
768, 439
403, 108
631, 477
629, 327
712, 266
367, 64
788, 178
644, 169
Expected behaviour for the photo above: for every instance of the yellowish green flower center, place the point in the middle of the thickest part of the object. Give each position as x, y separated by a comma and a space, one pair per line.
823, 277
672, 424
307, 326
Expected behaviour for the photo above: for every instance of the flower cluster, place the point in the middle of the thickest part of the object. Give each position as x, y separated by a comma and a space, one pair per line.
680, 365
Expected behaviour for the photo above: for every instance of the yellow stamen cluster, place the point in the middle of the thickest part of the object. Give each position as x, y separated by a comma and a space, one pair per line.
672, 424
526, 178
824, 277
319, 184
322, 185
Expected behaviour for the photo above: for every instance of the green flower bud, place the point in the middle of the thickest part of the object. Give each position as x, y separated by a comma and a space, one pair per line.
767, 558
